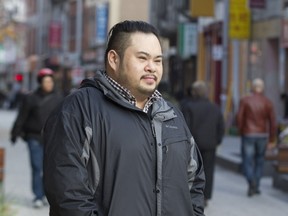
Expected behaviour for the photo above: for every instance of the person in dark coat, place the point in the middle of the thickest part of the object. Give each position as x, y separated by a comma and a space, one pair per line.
206, 124
30, 120
115, 146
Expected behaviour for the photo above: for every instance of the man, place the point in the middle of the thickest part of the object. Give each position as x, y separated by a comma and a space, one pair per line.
115, 147
206, 124
32, 115
256, 123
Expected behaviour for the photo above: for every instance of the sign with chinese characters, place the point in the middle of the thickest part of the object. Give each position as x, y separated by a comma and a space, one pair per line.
239, 19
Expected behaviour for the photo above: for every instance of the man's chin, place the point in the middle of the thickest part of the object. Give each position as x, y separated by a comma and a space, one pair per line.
148, 91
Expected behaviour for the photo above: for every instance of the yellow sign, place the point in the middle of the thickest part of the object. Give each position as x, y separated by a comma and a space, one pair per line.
7, 31
239, 19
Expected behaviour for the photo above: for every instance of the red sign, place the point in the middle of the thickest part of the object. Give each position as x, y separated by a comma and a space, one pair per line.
257, 3
55, 34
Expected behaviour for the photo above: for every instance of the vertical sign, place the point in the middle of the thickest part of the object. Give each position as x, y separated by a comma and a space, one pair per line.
239, 19
101, 17
187, 39
2, 54
55, 34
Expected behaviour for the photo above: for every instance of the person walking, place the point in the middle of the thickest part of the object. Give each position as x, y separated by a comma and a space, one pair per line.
115, 147
33, 112
206, 123
257, 126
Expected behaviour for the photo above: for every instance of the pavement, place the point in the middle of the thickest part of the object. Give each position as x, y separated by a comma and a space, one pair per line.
229, 197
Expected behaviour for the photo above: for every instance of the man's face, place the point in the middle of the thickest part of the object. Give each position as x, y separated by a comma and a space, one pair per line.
141, 68
47, 84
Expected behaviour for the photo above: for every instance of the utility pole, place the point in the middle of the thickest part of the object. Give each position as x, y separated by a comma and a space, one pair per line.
79, 28
225, 43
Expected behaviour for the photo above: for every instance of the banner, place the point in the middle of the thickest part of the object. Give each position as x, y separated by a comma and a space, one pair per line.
239, 19
101, 23
55, 34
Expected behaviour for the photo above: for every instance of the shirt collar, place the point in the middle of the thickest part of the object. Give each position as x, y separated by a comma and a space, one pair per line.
126, 94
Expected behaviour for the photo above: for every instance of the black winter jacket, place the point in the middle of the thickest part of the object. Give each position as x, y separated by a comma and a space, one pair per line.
105, 157
33, 112
205, 122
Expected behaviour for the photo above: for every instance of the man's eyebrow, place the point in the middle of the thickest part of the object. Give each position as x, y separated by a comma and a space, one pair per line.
147, 54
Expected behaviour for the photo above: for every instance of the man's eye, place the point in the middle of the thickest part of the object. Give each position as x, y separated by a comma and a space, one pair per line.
142, 57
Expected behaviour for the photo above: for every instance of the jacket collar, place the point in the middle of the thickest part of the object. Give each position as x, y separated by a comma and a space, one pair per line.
100, 82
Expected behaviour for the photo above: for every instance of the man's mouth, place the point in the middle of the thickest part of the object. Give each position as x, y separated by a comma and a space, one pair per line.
149, 78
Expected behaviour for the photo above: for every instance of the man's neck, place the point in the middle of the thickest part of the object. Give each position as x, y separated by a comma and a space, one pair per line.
141, 103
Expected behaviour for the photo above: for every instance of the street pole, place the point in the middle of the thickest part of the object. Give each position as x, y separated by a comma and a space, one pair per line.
225, 43
79, 31
40, 28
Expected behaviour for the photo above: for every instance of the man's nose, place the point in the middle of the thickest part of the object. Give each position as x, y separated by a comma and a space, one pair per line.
151, 67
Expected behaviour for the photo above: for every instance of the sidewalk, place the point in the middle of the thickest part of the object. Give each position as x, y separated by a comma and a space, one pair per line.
228, 156
17, 179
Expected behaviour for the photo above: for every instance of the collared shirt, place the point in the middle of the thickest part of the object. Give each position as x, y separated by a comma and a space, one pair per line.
126, 94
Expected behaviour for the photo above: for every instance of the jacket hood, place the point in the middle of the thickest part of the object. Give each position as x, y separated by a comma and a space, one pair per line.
100, 82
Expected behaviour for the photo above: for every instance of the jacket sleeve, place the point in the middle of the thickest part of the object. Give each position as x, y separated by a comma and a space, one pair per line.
22, 115
220, 127
185, 109
272, 123
66, 177
196, 180
240, 116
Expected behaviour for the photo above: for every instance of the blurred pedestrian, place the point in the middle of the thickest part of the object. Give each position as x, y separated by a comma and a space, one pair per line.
32, 115
257, 126
206, 123
164, 89
115, 147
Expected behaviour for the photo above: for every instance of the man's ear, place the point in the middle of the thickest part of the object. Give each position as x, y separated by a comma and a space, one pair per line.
113, 60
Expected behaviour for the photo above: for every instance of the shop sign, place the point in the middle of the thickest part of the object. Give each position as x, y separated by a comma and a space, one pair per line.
202, 8
187, 39
257, 3
239, 19
217, 52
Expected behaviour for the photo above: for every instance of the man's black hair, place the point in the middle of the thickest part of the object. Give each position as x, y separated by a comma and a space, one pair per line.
119, 35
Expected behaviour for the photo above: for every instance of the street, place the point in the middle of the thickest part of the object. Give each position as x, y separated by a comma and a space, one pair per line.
229, 198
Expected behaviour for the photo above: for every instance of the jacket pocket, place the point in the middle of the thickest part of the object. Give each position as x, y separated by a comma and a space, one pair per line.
175, 151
